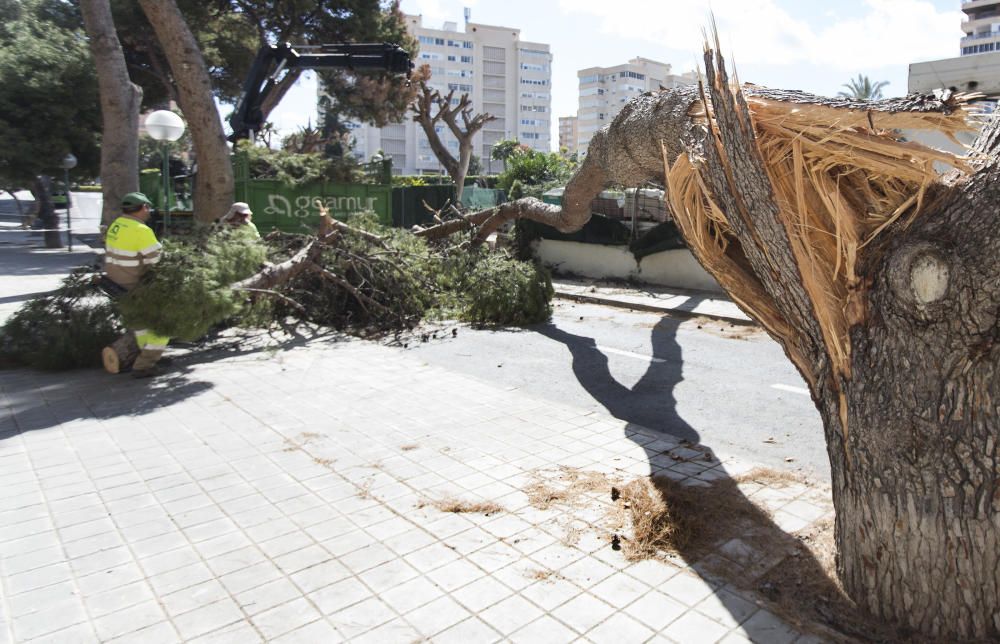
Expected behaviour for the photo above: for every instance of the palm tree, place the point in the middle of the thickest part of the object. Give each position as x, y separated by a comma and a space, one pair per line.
863, 89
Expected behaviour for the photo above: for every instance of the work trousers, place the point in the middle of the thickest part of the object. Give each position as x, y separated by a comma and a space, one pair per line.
151, 347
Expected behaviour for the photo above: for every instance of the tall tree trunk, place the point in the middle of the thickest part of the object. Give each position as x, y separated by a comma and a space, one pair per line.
41, 190
120, 103
214, 185
918, 513
881, 282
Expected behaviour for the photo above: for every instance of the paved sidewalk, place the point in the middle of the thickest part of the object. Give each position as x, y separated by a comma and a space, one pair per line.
287, 495
28, 269
645, 297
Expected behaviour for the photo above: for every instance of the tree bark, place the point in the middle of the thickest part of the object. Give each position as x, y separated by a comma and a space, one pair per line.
893, 321
214, 184
120, 103
918, 500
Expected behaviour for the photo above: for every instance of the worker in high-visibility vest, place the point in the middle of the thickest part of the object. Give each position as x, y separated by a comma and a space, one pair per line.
131, 249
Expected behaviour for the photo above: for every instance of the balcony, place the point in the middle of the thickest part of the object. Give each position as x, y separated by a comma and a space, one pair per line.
977, 37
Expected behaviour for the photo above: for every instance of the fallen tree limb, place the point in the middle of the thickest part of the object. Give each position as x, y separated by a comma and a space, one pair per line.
278, 274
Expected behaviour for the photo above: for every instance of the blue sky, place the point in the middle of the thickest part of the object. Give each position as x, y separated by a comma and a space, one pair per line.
810, 45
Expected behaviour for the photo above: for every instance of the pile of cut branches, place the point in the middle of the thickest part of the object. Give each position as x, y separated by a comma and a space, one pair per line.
357, 277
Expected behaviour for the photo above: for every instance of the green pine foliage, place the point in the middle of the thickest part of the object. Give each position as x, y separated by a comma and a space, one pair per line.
394, 284
501, 290
188, 293
64, 330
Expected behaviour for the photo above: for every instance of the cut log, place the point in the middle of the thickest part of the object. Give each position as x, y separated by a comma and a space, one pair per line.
120, 354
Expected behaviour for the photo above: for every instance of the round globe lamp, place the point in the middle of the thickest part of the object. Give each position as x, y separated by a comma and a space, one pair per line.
165, 126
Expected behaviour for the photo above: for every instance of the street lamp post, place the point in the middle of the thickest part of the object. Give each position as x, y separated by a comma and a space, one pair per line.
68, 163
165, 126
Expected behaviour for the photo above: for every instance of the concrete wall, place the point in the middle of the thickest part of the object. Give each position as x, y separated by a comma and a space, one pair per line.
676, 268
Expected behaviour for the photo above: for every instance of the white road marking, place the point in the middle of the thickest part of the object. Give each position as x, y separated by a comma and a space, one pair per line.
794, 390
629, 354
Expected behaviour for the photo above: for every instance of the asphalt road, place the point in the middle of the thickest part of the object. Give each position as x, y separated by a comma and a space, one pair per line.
730, 388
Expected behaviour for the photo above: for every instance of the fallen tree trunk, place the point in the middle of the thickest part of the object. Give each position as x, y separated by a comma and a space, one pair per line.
879, 279
120, 354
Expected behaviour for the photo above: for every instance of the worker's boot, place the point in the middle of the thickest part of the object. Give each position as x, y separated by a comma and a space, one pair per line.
145, 365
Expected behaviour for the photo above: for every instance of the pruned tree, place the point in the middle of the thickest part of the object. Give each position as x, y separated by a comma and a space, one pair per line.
880, 281
431, 108
120, 103
214, 183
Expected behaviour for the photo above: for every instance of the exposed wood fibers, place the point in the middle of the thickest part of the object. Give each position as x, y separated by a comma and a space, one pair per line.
838, 183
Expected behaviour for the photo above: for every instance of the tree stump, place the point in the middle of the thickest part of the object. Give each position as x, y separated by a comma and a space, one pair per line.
120, 354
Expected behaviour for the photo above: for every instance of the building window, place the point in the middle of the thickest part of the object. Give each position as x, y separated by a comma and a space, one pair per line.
534, 81
467, 59
426, 40
531, 135
589, 79
467, 44
451, 59
530, 67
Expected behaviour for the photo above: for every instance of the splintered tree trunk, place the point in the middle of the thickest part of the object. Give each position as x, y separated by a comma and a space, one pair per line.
918, 496
881, 281
214, 184
120, 102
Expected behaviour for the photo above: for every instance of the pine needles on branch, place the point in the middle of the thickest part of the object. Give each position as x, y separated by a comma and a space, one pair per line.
357, 277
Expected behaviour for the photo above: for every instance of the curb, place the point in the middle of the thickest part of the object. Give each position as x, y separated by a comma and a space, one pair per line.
651, 308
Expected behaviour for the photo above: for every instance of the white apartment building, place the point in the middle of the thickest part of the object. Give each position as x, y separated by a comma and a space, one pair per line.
977, 69
505, 76
604, 90
567, 134
981, 26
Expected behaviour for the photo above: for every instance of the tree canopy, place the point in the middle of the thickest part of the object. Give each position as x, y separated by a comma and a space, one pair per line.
230, 32
48, 91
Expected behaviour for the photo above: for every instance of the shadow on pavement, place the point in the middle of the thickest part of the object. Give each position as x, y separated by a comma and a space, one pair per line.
38, 400
757, 554
42, 400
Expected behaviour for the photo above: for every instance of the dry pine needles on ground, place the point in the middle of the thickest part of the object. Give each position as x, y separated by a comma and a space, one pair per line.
734, 538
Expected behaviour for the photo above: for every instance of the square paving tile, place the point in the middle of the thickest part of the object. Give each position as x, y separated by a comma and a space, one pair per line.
361, 617
285, 618
583, 612
437, 616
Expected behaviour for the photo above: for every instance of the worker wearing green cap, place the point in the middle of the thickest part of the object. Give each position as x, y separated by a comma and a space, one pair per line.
131, 249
